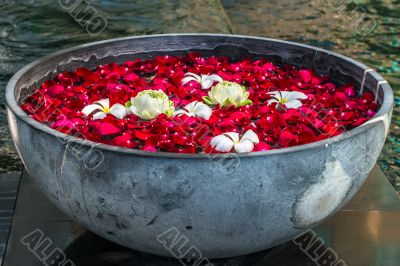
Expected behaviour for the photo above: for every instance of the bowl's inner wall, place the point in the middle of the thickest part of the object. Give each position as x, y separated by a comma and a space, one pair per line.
118, 51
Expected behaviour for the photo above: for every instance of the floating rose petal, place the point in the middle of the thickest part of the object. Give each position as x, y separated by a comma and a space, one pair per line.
262, 146
149, 148
106, 129
305, 76
125, 140
287, 139
55, 90
322, 109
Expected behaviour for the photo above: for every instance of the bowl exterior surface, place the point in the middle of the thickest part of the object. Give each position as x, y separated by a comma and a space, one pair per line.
222, 206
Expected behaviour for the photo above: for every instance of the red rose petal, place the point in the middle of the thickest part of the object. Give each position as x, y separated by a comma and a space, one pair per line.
106, 129
305, 76
55, 90
328, 111
262, 146
286, 139
142, 135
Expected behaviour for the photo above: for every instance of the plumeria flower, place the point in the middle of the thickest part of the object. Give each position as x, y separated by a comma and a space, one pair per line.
226, 141
206, 81
290, 99
228, 93
101, 108
196, 108
148, 104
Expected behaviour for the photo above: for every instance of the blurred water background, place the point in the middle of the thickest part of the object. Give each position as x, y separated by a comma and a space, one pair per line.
366, 30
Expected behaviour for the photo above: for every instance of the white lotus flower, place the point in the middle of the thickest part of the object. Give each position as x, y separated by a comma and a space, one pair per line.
148, 104
226, 141
228, 93
196, 108
290, 99
101, 108
206, 81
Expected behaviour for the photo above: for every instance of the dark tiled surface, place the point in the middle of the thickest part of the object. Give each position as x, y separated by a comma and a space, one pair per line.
8, 190
365, 232
43, 209
376, 194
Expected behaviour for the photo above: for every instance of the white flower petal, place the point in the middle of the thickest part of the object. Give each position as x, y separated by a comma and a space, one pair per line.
191, 77
196, 108
285, 94
105, 103
198, 78
215, 77
203, 111
118, 110
244, 146
132, 110
87, 110
146, 115
183, 112
145, 102
291, 99
250, 135
188, 79
233, 135
191, 107
293, 104
275, 94
206, 83
273, 100
222, 143
226, 141
99, 115
294, 95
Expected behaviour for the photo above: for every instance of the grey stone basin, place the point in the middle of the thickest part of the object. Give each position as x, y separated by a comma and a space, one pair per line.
220, 206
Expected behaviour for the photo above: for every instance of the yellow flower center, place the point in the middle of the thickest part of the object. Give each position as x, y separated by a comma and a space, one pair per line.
106, 110
284, 100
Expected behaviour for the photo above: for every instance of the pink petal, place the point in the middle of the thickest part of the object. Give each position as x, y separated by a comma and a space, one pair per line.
262, 146
108, 129
55, 90
149, 148
305, 76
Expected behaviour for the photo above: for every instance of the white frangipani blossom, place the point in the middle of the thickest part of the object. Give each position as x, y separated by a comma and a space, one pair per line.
290, 99
206, 81
101, 108
226, 141
196, 108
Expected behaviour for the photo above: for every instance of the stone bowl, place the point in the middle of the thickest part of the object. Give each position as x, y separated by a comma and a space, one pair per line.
197, 205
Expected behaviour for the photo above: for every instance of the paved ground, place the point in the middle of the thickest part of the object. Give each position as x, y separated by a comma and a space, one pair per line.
8, 190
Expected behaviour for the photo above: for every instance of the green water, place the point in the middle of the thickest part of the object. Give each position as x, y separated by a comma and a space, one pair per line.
368, 31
